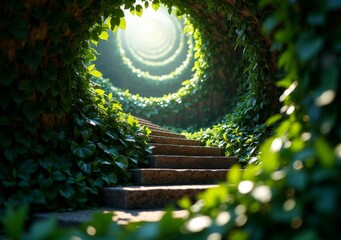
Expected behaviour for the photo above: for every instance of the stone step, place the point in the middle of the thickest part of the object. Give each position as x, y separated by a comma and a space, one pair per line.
161, 176
146, 122
149, 197
170, 149
172, 140
166, 133
120, 216
191, 162
160, 129
149, 125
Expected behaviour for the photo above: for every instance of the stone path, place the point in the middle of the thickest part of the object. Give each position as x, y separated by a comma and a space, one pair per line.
178, 167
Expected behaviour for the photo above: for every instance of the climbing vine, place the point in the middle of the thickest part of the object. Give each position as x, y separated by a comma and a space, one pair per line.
62, 140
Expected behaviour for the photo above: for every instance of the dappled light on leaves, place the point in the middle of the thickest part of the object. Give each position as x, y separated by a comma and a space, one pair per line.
199, 223
245, 187
262, 193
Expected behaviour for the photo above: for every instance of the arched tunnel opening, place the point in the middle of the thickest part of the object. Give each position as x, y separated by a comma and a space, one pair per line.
67, 132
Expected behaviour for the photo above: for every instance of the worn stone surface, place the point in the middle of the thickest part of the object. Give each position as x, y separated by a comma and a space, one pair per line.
166, 133
191, 162
157, 176
173, 149
172, 140
149, 197
120, 216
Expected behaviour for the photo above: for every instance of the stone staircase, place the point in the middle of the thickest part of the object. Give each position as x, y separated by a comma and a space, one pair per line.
178, 167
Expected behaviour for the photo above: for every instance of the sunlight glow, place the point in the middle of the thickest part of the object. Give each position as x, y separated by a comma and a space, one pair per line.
245, 187
214, 236
91, 230
289, 205
276, 145
338, 150
197, 224
154, 46
223, 218
262, 193
325, 98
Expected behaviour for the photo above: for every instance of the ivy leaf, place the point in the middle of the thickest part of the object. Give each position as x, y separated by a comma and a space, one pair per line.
84, 150
273, 119
91, 67
308, 45
270, 23
156, 6
110, 178
85, 167
122, 162
67, 192
13, 221
28, 166
123, 23
139, 10
96, 73
104, 36
325, 153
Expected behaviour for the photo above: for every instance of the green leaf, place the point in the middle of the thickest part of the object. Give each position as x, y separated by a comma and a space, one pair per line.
146, 4
297, 179
104, 35
270, 23
31, 111
273, 119
234, 175
308, 45
23, 139
91, 67
129, 138
333, 4
28, 166
110, 178
84, 150
139, 10
11, 154
96, 73
111, 151
155, 6
43, 229
13, 221
307, 234
123, 23
58, 176
67, 192
122, 162
112, 135
85, 167
325, 153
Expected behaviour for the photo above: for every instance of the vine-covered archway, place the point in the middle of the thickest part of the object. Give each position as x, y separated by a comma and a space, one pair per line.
61, 140
56, 126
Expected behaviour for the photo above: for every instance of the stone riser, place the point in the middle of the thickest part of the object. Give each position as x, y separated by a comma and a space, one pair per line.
166, 133
168, 149
172, 140
157, 176
191, 162
140, 197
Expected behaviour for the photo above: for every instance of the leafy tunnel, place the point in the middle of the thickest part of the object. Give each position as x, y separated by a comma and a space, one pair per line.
65, 133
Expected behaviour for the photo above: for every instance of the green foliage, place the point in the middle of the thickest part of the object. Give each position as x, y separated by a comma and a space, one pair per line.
293, 194
242, 142
62, 140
